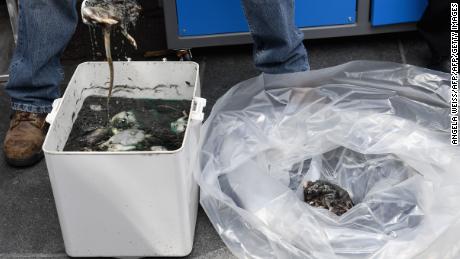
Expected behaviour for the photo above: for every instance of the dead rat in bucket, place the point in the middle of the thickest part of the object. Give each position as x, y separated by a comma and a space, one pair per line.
108, 14
326, 195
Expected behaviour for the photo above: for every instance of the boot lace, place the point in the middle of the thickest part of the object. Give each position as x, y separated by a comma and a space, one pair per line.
32, 118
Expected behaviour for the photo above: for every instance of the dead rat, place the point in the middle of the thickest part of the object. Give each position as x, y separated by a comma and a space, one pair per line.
326, 195
107, 14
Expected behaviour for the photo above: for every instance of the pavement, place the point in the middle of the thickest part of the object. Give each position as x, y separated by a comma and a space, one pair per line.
29, 225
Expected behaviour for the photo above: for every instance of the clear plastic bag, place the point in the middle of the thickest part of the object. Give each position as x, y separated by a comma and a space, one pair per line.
379, 130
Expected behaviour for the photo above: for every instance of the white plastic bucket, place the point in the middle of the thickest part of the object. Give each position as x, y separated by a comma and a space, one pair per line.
124, 204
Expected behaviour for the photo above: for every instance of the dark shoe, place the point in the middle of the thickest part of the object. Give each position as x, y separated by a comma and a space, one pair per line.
24, 139
440, 64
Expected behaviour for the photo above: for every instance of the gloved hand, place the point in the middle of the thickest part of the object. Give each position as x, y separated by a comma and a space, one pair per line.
95, 12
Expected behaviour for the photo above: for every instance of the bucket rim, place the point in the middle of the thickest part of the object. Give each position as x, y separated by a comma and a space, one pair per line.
46, 151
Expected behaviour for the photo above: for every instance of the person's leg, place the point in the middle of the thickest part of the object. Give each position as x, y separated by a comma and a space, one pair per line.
435, 28
45, 28
278, 46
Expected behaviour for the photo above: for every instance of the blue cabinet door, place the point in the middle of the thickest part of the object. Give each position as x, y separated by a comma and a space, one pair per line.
385, 12
207, 17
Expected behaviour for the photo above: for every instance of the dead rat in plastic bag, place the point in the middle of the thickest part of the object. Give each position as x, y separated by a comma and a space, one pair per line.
326, 195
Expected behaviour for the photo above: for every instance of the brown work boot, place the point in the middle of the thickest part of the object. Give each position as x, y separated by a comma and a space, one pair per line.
24, 139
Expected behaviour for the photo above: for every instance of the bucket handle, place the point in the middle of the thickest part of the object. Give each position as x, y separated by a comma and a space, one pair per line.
198, 105
52, 115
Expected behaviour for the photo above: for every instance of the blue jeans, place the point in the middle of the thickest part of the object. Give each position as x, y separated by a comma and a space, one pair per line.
278, 46
46, 26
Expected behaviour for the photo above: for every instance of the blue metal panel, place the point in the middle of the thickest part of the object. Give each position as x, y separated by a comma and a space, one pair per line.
397, 11
206, 17
311, 13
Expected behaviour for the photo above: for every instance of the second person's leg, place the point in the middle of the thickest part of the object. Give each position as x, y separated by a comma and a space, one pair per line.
45, 28
435, 28
278, 46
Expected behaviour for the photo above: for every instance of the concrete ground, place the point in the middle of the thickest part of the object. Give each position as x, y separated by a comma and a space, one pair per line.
29, 225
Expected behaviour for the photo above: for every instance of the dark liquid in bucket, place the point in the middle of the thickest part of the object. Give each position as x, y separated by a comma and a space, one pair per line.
134, 125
